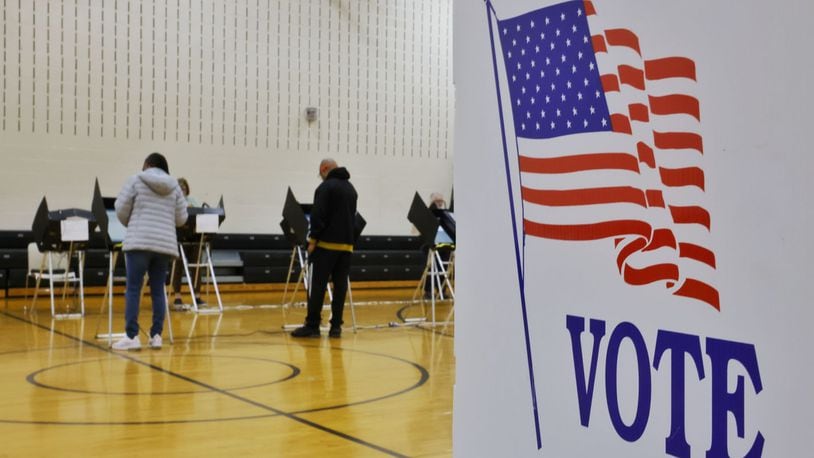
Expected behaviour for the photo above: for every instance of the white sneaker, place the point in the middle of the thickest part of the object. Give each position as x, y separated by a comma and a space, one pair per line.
155, 341
128, 344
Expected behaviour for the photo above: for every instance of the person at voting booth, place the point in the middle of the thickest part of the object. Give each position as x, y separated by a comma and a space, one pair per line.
193, 253
444, 239
150, 205
330, 246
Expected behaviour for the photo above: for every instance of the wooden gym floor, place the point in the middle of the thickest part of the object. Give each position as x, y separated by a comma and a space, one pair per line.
232, 384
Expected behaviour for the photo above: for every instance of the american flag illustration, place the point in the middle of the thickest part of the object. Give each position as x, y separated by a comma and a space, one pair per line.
570, 90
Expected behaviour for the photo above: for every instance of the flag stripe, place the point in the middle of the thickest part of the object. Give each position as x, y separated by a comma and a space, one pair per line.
687, 176
646, 154
631, 76
589, 8
584, 232
669, 67
579, 163
661, 238
690, 215
678, 140
620, 123
623, 37
655, 198
675, 104
595, 196
638, 112
610, 82
650, 274
698, 253
701, 291
634, 246
599, 44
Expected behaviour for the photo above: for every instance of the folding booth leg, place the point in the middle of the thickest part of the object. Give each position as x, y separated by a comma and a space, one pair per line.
186, 272
214, 279
168, 313
37, 285
110, 300
352, 307
445, 276
51, 282
433, 277
288, 276
82, 282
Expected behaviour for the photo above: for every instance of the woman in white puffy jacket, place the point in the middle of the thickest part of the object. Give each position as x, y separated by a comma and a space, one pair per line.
151, 205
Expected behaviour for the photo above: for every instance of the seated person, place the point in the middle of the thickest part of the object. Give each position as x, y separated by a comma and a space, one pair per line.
445, 217
192, 253
445, 238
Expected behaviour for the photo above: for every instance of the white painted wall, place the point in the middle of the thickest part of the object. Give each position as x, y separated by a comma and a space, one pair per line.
90, 87
751, 82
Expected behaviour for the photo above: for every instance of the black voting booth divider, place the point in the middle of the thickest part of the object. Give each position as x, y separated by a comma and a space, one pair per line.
202, 224
295, 229
295, 225
56, 232
439, 267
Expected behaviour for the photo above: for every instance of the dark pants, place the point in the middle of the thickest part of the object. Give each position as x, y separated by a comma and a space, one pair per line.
155, 265
327, 264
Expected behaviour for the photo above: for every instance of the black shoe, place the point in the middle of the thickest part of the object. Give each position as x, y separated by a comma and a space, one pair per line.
178, 302
201, 302
305, 331
336, 331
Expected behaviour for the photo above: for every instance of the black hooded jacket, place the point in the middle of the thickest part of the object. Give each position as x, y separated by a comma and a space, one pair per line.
334, 212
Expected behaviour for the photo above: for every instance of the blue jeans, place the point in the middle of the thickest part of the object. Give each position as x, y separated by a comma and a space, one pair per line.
155, 265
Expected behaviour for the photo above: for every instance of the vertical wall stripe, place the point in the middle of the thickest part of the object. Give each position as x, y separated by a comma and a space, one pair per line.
234, 73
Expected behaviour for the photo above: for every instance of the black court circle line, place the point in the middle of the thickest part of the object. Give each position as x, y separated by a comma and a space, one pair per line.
289, 415
32, 378
425, 375
400, 316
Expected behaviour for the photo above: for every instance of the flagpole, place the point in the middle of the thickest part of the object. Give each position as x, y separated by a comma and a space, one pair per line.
520, 271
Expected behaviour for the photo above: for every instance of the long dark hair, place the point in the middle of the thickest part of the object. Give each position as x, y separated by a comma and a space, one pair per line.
157, 160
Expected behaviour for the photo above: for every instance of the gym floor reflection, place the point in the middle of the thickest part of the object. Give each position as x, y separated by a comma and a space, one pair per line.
230, 383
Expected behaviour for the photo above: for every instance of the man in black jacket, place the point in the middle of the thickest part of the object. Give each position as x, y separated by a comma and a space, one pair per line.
330, 246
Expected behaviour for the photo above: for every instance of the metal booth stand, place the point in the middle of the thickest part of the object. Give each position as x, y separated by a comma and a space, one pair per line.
203, 222
440, 267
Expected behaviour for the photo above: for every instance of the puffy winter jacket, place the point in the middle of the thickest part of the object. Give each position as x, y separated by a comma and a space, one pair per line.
151, 205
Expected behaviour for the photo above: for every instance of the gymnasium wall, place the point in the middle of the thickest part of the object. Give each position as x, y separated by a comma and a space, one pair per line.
88, 88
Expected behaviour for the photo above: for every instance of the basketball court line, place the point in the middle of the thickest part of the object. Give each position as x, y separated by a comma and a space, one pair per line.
212, 388
426, 328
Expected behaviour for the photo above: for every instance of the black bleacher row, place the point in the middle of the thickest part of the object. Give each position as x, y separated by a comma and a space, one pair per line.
247, 258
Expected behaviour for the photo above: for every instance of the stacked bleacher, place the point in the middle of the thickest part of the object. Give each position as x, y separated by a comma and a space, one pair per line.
237, 258
266, 258
14, 258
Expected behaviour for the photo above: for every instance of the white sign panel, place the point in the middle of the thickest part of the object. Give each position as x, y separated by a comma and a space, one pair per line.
206, 223
74, 229
633, 176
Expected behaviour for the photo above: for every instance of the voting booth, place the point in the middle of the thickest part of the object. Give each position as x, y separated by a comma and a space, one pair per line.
439, 268
203, 223
61, 234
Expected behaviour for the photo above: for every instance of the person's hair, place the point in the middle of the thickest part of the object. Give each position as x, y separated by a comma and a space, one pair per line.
184, 184
157, 160
437, 199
